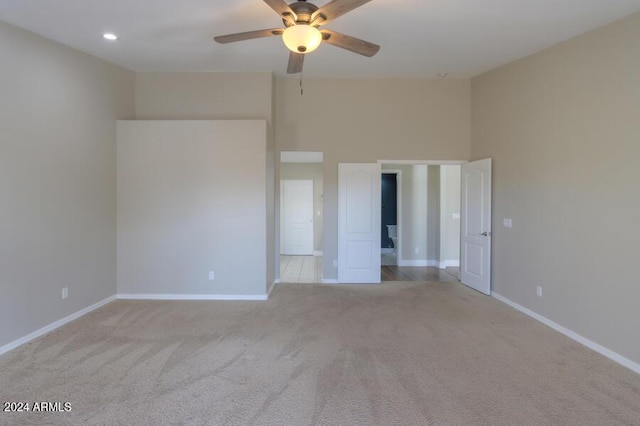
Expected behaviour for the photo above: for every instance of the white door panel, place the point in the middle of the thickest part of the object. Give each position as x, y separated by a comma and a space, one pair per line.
297, 217
475, 225
359, 189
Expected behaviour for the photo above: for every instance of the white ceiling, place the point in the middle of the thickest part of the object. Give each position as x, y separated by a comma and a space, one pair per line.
419, 38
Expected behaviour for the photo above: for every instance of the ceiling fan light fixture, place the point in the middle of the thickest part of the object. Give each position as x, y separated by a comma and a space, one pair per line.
302, 38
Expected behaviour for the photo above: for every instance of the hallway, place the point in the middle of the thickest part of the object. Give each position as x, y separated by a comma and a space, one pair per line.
308, 269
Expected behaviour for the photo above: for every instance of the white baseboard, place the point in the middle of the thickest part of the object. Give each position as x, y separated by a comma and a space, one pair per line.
48, 328
125, 296
317, 253
273, 284
614, 356
329, 281
448, 263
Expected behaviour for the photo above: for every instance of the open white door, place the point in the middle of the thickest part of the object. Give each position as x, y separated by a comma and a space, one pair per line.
359, 187
475, 225
297, 217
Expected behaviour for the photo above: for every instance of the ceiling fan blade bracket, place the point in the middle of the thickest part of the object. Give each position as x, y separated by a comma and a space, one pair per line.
317, 20
279, 6
289, 19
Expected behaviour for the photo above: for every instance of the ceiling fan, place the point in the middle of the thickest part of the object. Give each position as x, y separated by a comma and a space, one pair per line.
301, 34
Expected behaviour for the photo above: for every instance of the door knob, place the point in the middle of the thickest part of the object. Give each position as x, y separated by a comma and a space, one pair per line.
485, 234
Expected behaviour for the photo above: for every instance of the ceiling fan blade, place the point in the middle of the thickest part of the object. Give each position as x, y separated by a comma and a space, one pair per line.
337, 8
350, 43
230, 38
296, 60
280, 6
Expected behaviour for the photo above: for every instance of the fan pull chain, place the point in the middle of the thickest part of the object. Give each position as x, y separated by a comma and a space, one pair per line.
301, 88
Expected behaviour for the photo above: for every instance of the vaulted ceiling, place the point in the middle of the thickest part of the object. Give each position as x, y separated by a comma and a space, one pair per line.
418, 38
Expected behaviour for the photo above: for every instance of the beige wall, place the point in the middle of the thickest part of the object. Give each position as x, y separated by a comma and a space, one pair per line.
192, 199
58, 109
309, 171
217, 96
433, 213
370, 120
563, 129
450, 214
415, 213
204, 96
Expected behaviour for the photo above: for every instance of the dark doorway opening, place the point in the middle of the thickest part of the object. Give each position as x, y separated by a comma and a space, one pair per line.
389, 208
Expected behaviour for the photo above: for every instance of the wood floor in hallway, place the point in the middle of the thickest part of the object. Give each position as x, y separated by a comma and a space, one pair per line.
418, 273
308, 269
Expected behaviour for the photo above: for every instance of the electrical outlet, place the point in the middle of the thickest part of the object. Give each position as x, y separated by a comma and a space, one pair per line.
335, 263
212, 276
65, 292
539, 291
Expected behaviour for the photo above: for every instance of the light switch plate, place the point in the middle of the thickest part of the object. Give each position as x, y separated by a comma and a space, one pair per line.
506, 222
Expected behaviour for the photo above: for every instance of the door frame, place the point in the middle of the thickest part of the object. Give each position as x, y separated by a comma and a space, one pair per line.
423, 162
286, 156
398, 174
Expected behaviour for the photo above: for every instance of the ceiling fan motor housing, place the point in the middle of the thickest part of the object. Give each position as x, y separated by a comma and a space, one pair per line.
303, 11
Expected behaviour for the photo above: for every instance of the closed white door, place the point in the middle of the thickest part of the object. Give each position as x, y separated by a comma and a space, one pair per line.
297, 217
359, 188
475, 225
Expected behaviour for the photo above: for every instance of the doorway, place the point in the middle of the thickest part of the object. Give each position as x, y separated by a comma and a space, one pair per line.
301, 217
427, 220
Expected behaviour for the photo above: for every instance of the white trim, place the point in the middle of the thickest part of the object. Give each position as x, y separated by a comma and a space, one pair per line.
273, 284
317, 253
614, 356
449, 263
48, 328
330, 281
424, 162
192, 296
301, 157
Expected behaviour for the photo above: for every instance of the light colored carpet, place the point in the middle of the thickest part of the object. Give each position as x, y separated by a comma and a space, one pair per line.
389, 354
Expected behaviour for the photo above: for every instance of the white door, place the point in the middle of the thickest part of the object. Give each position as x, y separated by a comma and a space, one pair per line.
297, 217
475, 225
359, 187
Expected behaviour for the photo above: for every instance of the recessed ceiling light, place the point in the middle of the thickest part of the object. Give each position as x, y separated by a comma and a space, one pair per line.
110, 36
443, 74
